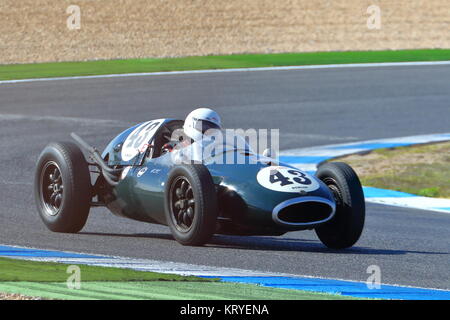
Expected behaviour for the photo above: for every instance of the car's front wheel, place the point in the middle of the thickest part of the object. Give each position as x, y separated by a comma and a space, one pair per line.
191, 204
345, 228
62, 187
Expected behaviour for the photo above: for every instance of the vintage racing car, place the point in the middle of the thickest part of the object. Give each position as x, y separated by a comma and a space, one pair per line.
136, 177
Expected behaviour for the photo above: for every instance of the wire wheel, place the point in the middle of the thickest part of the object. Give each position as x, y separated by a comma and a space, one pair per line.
333, 186
51, 188
182, 204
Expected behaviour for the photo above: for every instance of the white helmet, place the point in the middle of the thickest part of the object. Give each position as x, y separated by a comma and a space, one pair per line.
199, 121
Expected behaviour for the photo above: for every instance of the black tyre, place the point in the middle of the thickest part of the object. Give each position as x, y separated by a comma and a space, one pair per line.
345, 228
62, 187
191, 204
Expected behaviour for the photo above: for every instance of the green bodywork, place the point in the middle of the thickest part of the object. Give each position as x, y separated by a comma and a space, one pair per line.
243, 202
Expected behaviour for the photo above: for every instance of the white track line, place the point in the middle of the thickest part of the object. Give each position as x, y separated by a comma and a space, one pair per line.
74, 120
326, 66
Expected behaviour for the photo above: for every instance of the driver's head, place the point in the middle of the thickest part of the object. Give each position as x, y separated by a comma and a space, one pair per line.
199, 121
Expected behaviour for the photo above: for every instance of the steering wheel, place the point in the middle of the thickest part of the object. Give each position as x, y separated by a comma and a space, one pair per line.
168, 147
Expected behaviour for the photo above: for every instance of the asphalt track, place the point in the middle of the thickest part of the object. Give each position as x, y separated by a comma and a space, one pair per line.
311, 107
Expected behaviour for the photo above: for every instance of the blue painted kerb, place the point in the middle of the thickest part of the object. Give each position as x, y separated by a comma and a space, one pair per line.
345, 288
8, 251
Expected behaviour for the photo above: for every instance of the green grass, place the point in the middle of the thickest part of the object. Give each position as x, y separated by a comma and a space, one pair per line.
65, 69
423, 170
161, 290
22, 270
428, 180
49, 280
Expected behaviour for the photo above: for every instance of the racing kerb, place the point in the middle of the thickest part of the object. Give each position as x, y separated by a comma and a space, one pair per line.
275, 280
307, 159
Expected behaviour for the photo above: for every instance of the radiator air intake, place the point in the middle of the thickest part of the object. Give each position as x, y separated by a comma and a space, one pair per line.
304, 211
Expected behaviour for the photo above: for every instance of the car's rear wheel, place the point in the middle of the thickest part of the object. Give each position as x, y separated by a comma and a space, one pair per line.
62, 187
191, 204
345, 228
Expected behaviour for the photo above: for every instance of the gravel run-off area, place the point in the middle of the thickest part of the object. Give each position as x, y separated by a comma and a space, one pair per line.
37, 31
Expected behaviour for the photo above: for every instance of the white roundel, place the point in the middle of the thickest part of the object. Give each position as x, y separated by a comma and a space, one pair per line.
137, 140
285, 179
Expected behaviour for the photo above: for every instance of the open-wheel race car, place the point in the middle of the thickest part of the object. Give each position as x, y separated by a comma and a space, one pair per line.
138, 177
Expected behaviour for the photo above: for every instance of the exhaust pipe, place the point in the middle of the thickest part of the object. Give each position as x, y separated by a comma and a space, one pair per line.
111, 175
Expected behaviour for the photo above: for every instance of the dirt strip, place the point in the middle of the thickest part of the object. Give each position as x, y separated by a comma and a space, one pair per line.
13, 296
37, 31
